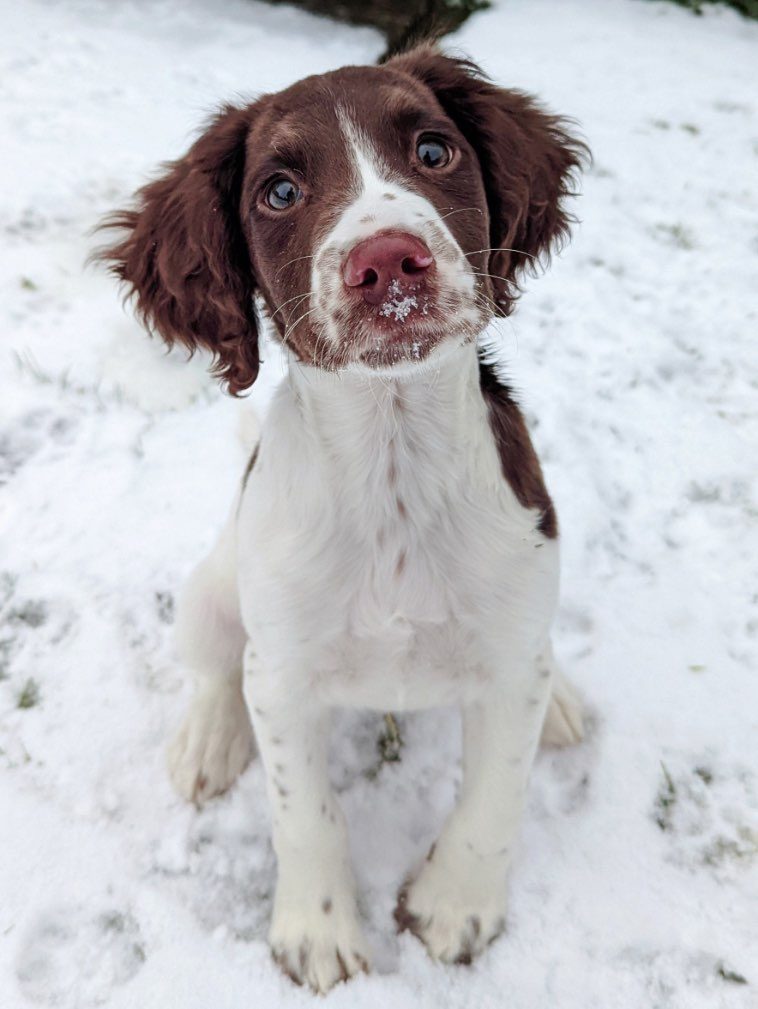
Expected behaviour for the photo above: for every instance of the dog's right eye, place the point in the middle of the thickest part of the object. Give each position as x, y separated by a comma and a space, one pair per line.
282, 193
433, 152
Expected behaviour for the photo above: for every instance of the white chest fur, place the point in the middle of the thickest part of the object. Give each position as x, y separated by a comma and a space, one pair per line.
382, 554
383, 561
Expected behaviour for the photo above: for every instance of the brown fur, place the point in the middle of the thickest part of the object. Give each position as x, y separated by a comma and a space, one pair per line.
185, 256
519, 462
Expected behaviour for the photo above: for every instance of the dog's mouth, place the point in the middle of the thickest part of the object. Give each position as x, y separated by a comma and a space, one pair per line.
405, 326
410, 322
381, 352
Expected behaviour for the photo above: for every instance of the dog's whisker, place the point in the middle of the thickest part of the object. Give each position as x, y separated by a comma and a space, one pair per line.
302, 297
297, 259
502, 248
492, 276
461, 210
483, 299
291, 328
503, 323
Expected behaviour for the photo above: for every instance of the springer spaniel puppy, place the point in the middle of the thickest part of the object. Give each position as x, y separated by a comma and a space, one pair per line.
393, 545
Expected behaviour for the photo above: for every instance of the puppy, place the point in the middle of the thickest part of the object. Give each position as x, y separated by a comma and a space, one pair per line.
393, 545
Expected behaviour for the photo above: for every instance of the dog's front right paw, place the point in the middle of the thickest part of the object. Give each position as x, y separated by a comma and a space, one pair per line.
455, 906
213, 746
319, 947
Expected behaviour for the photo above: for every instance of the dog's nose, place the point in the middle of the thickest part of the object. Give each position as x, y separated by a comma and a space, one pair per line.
374, 264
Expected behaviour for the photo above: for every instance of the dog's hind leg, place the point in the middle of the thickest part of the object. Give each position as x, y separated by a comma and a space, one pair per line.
215, 743
564, 723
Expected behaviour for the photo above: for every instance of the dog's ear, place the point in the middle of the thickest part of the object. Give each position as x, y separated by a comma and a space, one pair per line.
184, 256
528, 159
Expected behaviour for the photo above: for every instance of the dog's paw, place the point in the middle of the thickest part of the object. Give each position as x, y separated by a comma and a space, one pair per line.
455, 914
213, 746
564, 720
319, 946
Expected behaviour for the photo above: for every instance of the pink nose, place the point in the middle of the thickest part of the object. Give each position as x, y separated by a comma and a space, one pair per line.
375, 263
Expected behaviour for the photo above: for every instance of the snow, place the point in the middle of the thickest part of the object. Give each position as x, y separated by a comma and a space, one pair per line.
636, 883
398, 302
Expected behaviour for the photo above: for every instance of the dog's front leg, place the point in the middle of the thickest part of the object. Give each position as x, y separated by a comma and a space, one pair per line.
457, 903
315, 933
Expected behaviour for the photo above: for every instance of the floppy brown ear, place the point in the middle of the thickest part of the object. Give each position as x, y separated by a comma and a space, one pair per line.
528, 158
184, 256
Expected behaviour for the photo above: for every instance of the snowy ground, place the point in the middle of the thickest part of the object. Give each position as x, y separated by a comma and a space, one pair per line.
636, 883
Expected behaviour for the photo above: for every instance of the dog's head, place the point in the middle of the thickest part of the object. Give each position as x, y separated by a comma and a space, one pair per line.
382, 214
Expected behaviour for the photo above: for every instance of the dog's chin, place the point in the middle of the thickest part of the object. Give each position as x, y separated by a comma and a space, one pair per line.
401, 342
400, 352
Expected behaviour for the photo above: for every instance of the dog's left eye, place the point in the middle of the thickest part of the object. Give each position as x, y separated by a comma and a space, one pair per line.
433, 152
282, 193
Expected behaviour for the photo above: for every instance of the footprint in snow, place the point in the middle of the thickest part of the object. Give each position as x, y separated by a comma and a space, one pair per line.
72, 957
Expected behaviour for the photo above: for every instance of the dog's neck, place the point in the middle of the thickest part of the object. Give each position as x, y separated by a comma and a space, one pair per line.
430, 403
380, 440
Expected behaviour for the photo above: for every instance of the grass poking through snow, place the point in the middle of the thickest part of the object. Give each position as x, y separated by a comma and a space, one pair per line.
29, 695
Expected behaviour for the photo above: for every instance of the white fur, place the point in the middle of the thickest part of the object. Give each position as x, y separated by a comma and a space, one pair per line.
215, 742
379, 559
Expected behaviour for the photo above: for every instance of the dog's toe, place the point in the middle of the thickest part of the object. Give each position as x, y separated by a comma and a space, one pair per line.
321, 949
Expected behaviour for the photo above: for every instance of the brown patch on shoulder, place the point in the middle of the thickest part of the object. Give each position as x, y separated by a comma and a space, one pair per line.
519, 462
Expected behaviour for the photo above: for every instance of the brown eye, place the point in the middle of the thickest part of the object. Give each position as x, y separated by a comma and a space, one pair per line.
433, 152
282, 193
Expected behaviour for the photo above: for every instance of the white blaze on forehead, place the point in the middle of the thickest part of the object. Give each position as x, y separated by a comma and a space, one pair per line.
381, 199
368, 166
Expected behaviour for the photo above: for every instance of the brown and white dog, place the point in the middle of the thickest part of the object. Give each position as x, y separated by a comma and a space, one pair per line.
393, 545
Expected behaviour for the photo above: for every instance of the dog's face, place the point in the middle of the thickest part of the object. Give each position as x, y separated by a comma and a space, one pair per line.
382, 214
366, 217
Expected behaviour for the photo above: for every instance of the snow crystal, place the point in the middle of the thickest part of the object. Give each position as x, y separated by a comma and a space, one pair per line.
397, 303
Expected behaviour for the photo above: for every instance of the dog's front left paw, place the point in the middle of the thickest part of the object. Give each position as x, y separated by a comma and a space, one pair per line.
456, 914
213, 746
319, 947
